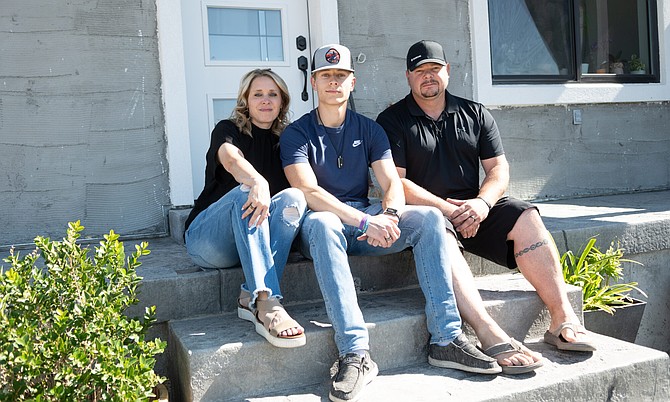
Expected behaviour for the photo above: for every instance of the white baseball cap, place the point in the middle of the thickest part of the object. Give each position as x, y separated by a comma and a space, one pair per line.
332, 56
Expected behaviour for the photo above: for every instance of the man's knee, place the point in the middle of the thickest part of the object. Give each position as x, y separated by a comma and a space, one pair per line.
322, 221
424, 218
319, 227
529, 221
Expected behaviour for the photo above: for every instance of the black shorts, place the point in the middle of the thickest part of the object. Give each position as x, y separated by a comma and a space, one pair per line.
491, 239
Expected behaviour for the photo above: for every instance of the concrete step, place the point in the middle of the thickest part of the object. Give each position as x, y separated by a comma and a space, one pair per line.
179, 289
220, 357
617, 371
639, 222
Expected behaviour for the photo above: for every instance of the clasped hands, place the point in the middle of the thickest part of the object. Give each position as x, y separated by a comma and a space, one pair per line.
468, 215
382, 231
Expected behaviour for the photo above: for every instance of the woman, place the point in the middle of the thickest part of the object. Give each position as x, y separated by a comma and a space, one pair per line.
246, 213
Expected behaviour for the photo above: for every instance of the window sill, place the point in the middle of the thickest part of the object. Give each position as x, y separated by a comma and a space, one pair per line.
571, 93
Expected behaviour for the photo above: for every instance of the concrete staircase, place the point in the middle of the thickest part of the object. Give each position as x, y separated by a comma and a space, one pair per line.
214, 356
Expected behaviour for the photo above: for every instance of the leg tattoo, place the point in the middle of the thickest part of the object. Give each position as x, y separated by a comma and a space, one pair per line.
531, 248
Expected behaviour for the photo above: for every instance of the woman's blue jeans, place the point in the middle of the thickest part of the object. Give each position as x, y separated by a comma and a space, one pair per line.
219, 238
328, 242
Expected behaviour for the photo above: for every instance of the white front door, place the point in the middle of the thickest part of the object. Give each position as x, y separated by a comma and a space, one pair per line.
225, 39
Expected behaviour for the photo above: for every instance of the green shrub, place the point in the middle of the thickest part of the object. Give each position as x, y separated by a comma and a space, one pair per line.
63, 333
593, 271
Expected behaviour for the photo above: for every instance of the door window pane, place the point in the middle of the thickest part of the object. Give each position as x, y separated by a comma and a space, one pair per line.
237, 34
222, 109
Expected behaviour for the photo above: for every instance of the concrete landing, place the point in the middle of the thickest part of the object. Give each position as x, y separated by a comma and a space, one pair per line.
617, 371
216, 353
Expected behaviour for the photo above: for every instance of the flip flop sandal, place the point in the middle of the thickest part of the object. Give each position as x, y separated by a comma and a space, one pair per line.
243, 310
555, 338
279, 321
512, 346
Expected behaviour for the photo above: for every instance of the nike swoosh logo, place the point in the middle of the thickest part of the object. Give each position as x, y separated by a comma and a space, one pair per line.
356, 143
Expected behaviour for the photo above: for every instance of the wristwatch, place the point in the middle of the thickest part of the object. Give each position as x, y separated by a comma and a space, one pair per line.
391, 211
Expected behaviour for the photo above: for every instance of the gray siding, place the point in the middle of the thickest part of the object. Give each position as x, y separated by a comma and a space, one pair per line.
81, 125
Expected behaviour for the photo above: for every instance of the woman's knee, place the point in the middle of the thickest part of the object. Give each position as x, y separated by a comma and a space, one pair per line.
292, 204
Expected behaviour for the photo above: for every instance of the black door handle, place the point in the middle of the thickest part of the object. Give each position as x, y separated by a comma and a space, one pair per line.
302, 66
301, 43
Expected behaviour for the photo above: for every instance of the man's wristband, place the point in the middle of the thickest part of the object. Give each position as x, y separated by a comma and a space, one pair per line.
485, 202
392, 212
363, 226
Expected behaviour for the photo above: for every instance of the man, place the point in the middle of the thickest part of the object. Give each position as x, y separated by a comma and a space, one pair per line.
438, 141
327, 154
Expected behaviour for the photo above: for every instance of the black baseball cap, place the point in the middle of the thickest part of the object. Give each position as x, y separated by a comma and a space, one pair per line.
425, 51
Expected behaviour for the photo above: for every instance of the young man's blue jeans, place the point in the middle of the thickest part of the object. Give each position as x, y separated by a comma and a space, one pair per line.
327, 241
219, 238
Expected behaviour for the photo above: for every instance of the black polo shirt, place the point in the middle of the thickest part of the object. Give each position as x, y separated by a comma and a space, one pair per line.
442, 156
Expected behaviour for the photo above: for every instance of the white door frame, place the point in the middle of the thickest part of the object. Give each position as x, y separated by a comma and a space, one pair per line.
323, 28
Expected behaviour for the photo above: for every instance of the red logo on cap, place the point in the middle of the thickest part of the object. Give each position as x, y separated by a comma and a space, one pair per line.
332, 56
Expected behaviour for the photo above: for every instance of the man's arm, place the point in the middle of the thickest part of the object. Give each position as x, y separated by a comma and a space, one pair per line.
493, 187
496, 180
302, 177
468, 215
465, 215
417, 195
382, 229
390, 183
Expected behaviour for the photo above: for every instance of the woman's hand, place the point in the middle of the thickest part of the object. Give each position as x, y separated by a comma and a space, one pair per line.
258, 203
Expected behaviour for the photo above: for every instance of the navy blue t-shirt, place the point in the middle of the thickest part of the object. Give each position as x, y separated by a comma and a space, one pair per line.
359, 143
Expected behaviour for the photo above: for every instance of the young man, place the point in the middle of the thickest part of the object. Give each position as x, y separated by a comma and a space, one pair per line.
438, 141
327, 154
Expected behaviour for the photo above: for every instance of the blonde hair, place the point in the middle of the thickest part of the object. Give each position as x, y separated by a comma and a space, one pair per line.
240, 115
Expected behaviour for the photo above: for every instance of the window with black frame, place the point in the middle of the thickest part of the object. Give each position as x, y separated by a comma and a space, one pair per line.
553, 41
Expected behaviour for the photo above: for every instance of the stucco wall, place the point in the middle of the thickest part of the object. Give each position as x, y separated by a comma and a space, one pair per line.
382, 31
81, 126
618, 147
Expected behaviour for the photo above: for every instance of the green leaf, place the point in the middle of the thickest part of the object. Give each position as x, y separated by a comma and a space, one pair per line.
598, 274
63, 332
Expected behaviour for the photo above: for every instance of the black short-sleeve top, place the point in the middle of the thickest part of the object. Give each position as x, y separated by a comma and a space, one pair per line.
442, 156
261, 149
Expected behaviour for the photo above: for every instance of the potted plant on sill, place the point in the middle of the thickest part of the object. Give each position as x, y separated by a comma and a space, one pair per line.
608, 307
616, 64
635, 65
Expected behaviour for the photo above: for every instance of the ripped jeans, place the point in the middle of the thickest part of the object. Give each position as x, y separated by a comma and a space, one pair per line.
219, 238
